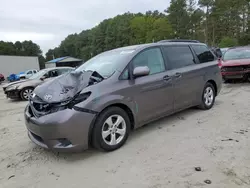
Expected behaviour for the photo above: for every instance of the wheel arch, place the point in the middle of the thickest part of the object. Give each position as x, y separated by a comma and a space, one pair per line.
22, 89
120, 105
215, 86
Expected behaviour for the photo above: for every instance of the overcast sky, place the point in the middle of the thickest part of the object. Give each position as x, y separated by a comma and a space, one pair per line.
48, 22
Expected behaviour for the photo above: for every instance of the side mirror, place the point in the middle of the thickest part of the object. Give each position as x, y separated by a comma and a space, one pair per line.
141, 71
43, 78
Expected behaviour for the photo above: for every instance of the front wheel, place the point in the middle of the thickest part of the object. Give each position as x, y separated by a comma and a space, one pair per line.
26, 93
208, 97
111, 129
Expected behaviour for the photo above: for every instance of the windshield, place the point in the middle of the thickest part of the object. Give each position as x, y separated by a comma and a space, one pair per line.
106, 63
38, 75
237, 54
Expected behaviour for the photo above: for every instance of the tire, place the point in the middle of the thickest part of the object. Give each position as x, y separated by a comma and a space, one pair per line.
207, 104
104, 129
248, 78
25, 92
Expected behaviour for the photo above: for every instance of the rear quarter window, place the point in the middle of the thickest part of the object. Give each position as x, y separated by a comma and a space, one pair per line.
203, 53
179, 56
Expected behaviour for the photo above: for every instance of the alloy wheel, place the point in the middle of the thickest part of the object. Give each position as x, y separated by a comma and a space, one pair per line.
27, 93
208, 96
114, 130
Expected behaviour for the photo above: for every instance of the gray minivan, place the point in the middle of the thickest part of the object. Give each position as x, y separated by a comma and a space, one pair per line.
117, 91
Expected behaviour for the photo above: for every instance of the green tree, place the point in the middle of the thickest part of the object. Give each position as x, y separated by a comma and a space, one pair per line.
161, 30
178, 17
208, 5
228, 42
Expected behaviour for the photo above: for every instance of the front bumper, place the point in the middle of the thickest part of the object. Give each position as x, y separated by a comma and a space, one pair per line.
12, 94
235, 74
66, 130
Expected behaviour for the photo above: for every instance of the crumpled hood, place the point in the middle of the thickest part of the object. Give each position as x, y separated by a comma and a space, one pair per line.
64, 87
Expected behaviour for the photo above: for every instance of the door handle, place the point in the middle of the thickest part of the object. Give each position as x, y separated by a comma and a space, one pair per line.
166, 78
177, 75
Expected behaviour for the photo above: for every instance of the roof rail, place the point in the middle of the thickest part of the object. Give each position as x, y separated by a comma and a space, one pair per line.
179, 40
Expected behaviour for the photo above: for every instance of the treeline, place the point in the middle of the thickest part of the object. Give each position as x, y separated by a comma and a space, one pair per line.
222, 23
25, 48
216, 22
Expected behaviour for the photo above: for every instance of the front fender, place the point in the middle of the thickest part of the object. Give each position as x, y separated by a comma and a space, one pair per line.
100, 103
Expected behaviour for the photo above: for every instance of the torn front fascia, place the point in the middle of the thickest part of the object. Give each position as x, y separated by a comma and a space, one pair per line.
41, 107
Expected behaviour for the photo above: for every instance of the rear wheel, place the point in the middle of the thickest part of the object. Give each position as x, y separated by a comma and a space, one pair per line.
26, 93
111, 129
208, 97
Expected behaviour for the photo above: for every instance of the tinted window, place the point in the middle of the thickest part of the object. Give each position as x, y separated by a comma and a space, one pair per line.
53, 73
179, 56
151, 58
203, 53
30, 72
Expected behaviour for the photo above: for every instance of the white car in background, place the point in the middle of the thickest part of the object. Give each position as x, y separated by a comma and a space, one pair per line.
27, 74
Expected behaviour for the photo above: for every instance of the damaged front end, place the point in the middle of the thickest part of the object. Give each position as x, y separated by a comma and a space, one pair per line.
62, 92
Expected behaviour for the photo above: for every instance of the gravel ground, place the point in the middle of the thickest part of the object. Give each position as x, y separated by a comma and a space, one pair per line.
159, 155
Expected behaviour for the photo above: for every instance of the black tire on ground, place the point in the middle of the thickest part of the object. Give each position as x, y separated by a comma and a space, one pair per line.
24, 92
204, 105
97, 139
248, 77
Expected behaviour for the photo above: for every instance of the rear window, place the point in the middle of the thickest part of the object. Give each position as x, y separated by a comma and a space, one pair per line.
203, 53
179, 56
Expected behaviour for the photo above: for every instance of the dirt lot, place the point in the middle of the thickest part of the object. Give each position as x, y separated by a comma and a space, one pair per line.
159, 155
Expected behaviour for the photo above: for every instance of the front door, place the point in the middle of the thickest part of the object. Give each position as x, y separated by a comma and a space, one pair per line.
152, 94
187, 78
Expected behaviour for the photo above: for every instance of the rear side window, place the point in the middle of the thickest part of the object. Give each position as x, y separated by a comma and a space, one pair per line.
203, 53
179, 56
53, 73
63, 71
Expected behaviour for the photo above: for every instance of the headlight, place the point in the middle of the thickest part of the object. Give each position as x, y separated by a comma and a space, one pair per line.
11, 88
79, 98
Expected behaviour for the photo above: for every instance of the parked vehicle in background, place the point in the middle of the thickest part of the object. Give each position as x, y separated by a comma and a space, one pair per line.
22, 89
223, 50
217, 52
120, 90
13, 77
27, 74
2, 77
235, 64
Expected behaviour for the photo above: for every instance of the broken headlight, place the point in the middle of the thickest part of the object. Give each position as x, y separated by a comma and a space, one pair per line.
79, 98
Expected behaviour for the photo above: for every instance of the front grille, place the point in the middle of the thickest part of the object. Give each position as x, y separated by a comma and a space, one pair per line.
38, 138
13, 94
235, 68
41, 108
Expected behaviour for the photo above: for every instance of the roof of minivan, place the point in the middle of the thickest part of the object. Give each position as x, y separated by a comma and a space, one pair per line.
141, 46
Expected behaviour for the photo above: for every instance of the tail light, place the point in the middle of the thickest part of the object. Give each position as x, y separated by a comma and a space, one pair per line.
219, 63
